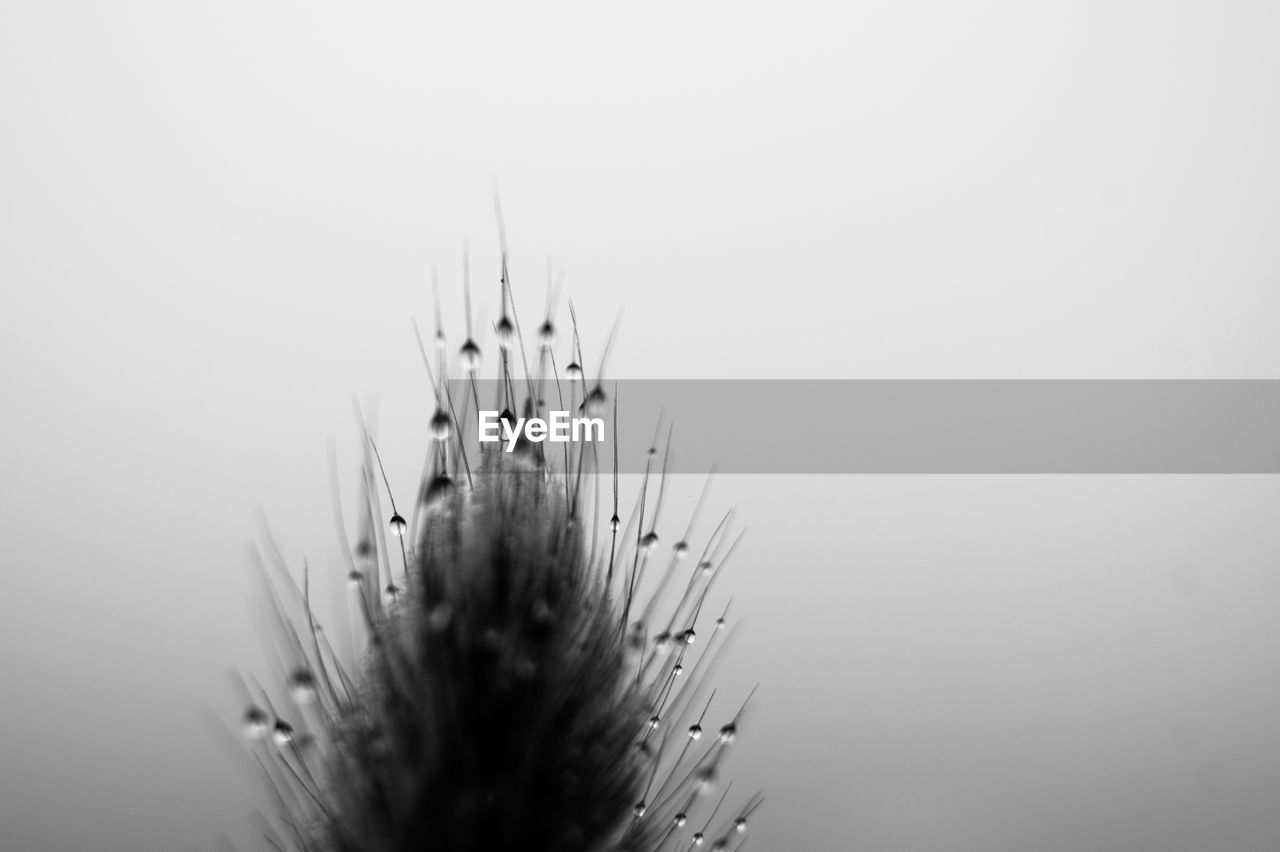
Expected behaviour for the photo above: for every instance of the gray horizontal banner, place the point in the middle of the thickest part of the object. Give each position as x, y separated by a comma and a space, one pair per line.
923, 426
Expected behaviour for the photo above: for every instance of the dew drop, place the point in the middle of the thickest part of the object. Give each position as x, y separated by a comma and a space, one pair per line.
688, 636
437, 490
573, 371
740, 824
729, 733
681, 549
506, 332
720, 623
662, 643
596, 401
654, 721
302, 685
697, 838
470, 355
639, 809
282, 733
391, 593
256, 724
355, 578
677, 670
650, 541
441, 425
398, 525
681, 819
705, 567
546, 334
695, 731
614, 523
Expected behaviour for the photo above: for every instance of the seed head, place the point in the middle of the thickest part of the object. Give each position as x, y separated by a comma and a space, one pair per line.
514, 693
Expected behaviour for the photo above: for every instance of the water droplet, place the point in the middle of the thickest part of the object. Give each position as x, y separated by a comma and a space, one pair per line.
355, 578
681, 549
677, 670
639, 809
720, 844
437, 490
697, 838
546, 334
302, 685
282, 733
688, 636
256, 724
573, 371
364, 548
470, 355
740, 824
391, 593
614, 523
398, 525
650, 541
506, 332
441, 425
654, 721
596, 402
662, 642
681, 819
729, 733
705, 779
695, 732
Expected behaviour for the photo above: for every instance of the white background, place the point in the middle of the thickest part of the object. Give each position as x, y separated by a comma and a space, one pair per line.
216, 221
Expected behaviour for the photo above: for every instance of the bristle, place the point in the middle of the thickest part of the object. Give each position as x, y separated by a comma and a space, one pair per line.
501, 696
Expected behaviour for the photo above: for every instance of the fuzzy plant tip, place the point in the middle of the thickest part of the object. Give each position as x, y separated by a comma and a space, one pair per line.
511, 688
